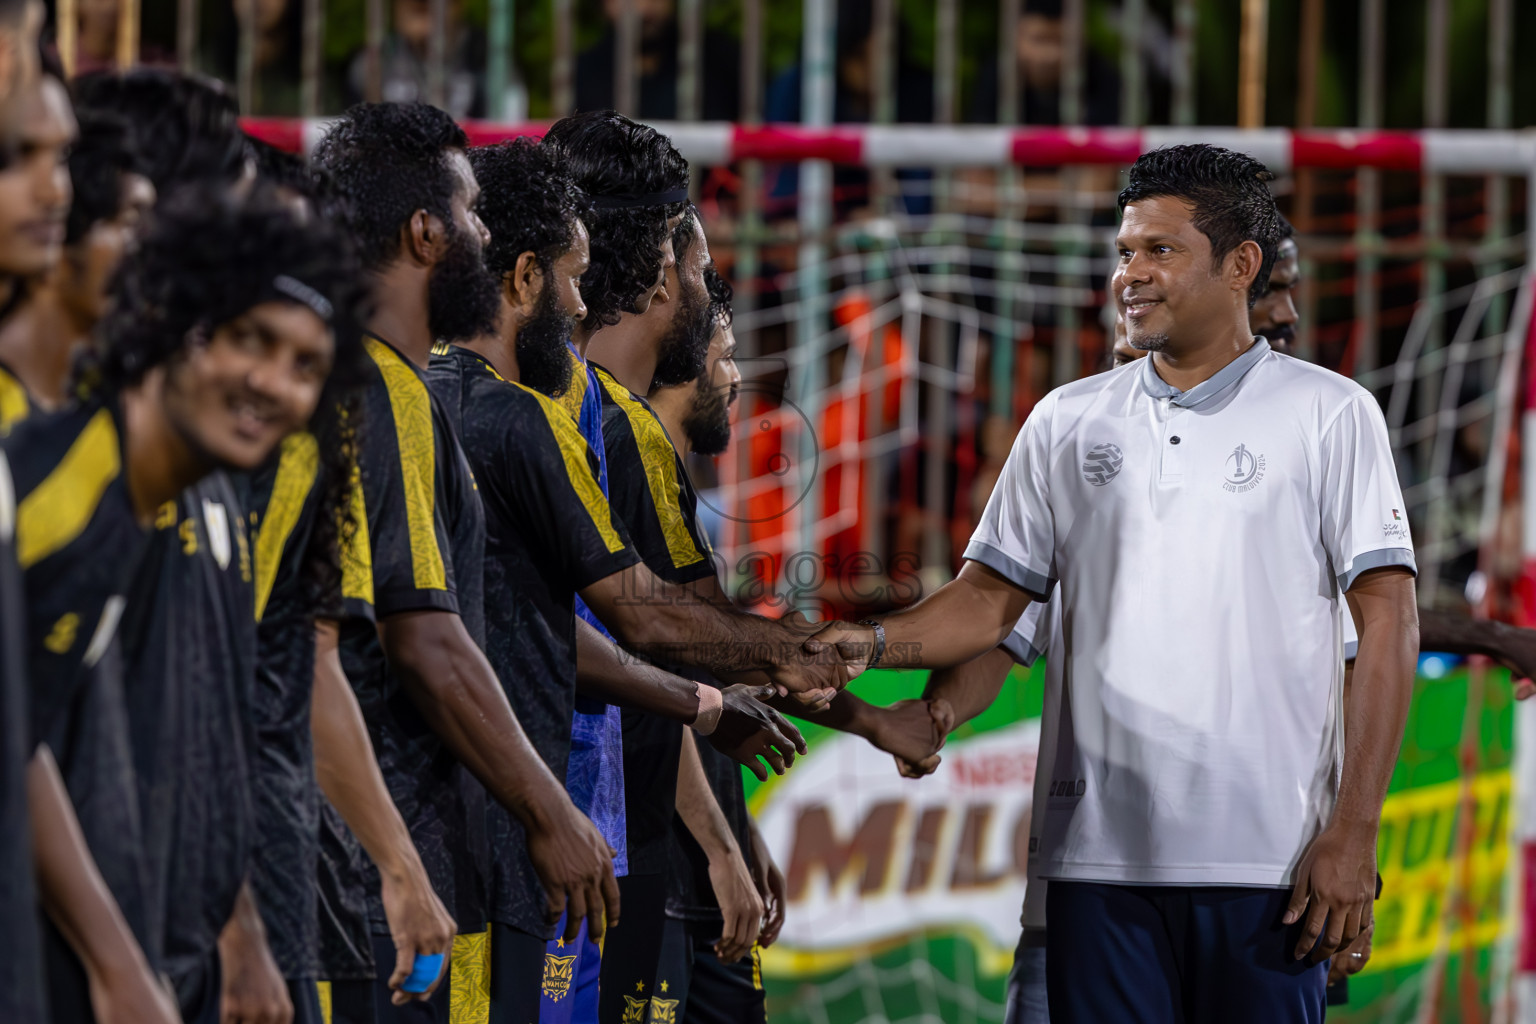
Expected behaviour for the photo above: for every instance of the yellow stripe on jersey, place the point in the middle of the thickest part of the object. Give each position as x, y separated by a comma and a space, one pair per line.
357, 549
15, 406
577, 392
660, 460
469, 979
573, 449
412, 409
297, 469
60, 508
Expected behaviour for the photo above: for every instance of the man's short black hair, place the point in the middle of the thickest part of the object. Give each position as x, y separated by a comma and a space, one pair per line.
527, 202
1227, 192
385, 161
102, 156
209, 258
185, 128
610, 156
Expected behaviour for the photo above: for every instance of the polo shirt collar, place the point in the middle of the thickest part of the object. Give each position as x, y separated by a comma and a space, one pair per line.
1208, 389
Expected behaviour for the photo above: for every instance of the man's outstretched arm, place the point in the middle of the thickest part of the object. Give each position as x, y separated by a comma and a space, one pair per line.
1336, 879
348, 773
960, 621
741, 726
1514, 647
461, 699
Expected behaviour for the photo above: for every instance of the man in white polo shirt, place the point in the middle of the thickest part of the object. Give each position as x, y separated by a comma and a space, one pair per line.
1210, 823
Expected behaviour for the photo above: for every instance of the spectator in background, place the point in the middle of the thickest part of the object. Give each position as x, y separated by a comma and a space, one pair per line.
96, 38
1039, 48
278, 28
719, 56
855, 102
405, 57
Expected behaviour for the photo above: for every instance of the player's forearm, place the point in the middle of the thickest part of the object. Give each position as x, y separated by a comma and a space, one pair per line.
1460, 634
348, 769
70, 886
697, 806
669, 623
1380, 691
846, 713
462, 701
605, 673
972, 687
962, 620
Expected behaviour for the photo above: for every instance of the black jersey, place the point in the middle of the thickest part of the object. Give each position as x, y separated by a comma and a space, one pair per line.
21, 981
419, 546
283, 501
189, 643
549, 532
15, 401
78, 543
650, 491
342, 881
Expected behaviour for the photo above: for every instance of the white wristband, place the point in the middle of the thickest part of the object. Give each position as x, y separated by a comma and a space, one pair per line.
711, 703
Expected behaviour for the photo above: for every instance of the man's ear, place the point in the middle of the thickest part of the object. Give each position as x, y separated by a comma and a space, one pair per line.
1243, 266
525, 284
426, 238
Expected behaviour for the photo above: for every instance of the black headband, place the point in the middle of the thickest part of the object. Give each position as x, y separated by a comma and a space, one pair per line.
630, 202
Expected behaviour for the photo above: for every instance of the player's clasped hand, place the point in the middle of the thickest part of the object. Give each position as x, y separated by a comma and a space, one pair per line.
750, 729
913, 732
1335, 886
813, 672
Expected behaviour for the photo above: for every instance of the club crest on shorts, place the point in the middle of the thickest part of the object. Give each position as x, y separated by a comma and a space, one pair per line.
557, 976
634, 1010
1102, 463
1243, 470
663, 1011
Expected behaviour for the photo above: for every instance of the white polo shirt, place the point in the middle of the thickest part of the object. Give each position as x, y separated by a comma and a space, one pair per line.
1202, 540
1031, 639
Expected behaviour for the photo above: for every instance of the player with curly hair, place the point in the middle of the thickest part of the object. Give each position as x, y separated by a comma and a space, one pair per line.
223, 333
408, 193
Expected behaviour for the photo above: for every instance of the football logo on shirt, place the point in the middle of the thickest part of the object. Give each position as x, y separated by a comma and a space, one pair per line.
1102, 463
557, 976
1244, 470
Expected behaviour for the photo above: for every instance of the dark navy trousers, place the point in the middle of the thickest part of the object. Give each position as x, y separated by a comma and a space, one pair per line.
1144, 954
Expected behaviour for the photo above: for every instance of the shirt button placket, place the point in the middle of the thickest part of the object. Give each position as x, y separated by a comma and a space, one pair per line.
1172, 461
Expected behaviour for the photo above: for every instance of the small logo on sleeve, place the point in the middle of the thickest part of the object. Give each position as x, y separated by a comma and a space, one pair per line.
1243, 470
1397, 529
1102, 463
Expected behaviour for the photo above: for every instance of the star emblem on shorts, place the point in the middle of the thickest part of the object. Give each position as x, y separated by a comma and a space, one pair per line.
639, 986
663, 986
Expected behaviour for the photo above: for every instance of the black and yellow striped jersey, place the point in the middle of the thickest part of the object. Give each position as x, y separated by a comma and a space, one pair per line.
78, 543
419, 546
16, 402
21, 966
283, 500
189, 650
651, 493
549, 533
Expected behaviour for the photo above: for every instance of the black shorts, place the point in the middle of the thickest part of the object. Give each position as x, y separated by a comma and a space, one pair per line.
706, 990
632, 951
351, 1001
433, 1011
517, 972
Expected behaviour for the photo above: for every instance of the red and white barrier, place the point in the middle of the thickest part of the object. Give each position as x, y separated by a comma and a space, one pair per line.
718, 142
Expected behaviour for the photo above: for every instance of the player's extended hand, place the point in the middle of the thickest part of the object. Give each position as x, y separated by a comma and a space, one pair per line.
827, 661
740, 906
254, 991
1353, 957
770, 886
418, 923
749, 729
575, 864
913, 732
1335, 886
1517, 652
132, 995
